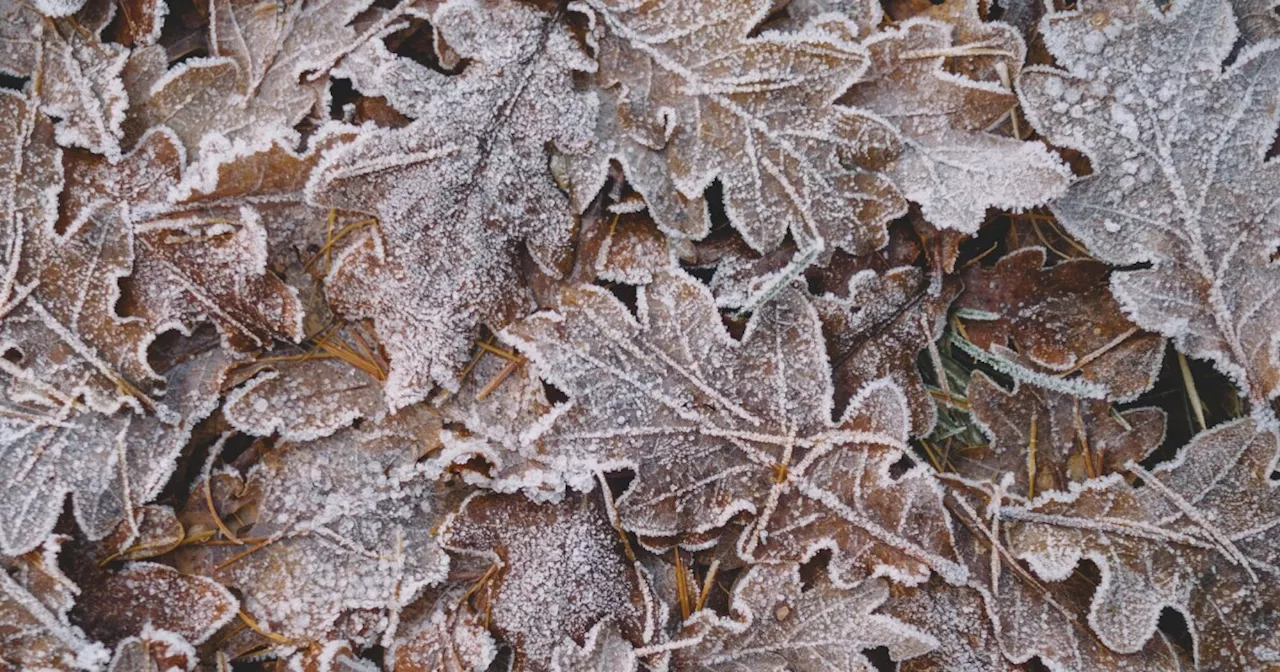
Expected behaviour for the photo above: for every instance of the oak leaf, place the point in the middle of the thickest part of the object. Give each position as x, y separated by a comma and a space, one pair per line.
560, 569
458, 191
716, 428
1195, 536
1178, 142
1061, 319
778, 624
760, 119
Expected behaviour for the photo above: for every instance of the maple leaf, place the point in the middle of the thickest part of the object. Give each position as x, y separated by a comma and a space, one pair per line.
948, 164
760, 119
1194, 536
1048, 440
50, 445
336, 536
458, 191
559, 570
76, 77
1061, 319
1177, 142
715, 428
259, 73
35, 597
781, 624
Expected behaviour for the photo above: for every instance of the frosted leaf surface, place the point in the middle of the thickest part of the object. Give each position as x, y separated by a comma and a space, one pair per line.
1072, 439
878, 328
497, 403
604, 650
956, 618
188, 267
154, 650
561, 569
304, 399
1029, 618
341, 531
458, 191
76, 76
1196, 536
35, 597
51, 446
118, 603
1177, 142
267, 175
1257, 19
714, 427
258, 74
1061, 319
865, 13
948, 164
779, 625
759, 118
443, 639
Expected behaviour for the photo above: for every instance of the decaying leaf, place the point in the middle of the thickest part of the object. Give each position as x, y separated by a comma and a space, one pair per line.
760, 119
1063, 319
948, 164
1177, 141
75, 74
779, 624
714, 427
304, 398
876, 329
1048, 440
154, 650
443, 639
35, 597
52, 446
558, 570
1195, 536
336, 534
459, 191
256, 77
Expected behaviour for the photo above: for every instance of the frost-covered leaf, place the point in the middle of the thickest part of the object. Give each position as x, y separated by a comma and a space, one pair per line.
188, 266
76, 77
304, 399
1062, 439
1196, 536
256, 77
1029, 618
154, 650
759, 118
877, 327
336, 533
498, 402
51, 446
715, 428
604, 650
1257, 20
948, 164
1062, 319
443, 639
458, 191
780, 625
1177, 142
559, 570
118, 603
956, 619
35, 633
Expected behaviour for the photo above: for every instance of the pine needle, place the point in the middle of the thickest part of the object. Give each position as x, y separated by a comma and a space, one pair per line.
1193, 396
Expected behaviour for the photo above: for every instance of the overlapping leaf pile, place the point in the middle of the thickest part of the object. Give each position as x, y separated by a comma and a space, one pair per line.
614, 336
